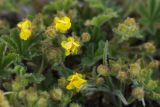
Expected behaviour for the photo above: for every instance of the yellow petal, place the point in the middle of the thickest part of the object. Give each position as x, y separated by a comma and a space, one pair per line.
79, 75
70, 78
77, 44
77, 84
63, 44
68, 22
26, 24
67, 52
62, 25
70, 39
66, 19
25, 34
70, 86
74, 50
19, 25
56, 19
68, 45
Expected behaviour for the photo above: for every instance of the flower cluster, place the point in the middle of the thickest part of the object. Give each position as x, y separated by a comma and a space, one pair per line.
26, 29
128, 29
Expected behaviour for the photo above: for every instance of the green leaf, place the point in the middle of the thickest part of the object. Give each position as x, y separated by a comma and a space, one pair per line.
8, 59
105, 53
12, 41
36, 78
2, 51
62, 69
96, 4
99, 51
19, 70
143, 11
103, 17
14, 37
151, 5
149, 12
87, 61
59, 5
25, 49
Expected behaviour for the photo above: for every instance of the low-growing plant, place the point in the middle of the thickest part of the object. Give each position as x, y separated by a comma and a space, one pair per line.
79, 54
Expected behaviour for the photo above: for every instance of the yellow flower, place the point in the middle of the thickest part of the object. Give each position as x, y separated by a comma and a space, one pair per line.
26, 24
76, 81
26, 30
70, 45
62, 24
25, 34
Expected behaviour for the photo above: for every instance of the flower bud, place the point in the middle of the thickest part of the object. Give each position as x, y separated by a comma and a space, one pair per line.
139, 61
66, 99
116, 68
50, 32
37, 23
16, 86
19, 83
5, 103
44, 94
138, 93
151, 85
102, 70
47, 42
61, 13
56, 94
22, 94
122, 75
2, 97
85, 37
100, 81
149, 47
72, 13
62, 82
31, 95
130, 21
155, 95
42, 102
154, 64
88, 23
3, 100
54, 55
128, 29
74, 105
135, 70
